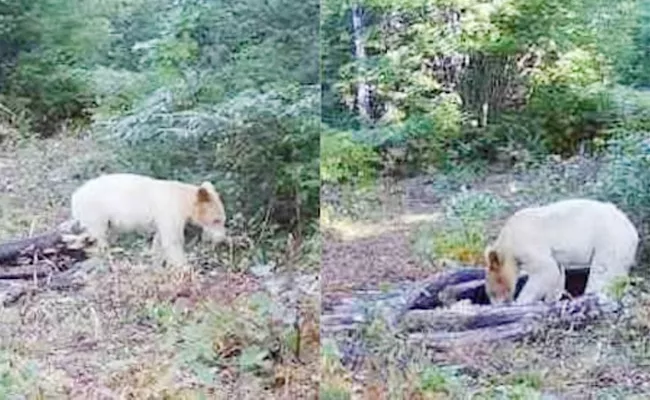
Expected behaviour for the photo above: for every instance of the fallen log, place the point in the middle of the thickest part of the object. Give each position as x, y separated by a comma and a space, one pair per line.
449, 287
447, 340
44, 262
482, 324
12, 250
65, 242
469, 317
62, 281
453, 309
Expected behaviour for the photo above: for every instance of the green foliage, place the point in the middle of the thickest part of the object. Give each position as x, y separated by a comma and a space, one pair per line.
433, 137
259, 149
633, 106
569, 98
439, 380
246, 336
462, 81
332, 386
18, 378
470, 207
343, 159
510, 392
463, 234
625, 175
52, 45
330, 392
634, 67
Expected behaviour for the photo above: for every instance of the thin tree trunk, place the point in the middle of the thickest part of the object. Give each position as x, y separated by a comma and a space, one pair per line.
363, 91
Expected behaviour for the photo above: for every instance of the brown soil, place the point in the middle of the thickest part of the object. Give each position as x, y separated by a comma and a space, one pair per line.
367, 263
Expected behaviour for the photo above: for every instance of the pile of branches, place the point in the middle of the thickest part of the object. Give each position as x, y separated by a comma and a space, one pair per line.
43, 259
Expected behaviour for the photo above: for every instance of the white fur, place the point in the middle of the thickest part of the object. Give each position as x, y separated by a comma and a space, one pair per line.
574, 233
128, 202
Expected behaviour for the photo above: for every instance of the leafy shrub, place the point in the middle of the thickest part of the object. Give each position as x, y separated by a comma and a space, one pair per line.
474, 206
625, 177
632, 108
510, 392
428, 139
463, 236
334, 383
432, 135
18, 378
117, 91
49, 94
344, 160
260, 149
436, 380
458, 241
247, 336
570, 100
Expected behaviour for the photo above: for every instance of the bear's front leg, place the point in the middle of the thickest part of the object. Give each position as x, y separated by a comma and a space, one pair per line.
545, 282
170, 238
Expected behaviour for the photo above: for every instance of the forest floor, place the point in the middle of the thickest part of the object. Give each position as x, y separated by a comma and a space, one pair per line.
382, 236
136, 329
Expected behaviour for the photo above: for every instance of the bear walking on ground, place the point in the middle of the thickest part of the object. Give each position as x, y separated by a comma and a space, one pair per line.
129, 202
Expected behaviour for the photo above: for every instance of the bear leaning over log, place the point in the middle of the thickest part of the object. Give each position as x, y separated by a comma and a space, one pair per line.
129, 202
544, 241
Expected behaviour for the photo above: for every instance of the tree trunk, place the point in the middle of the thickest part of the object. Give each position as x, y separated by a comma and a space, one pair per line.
363, 91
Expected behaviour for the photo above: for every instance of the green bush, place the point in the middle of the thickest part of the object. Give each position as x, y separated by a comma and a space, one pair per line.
259, 149
434, 136
344, 160
248, 336
625, 175
570, 100
463, 235
50, 93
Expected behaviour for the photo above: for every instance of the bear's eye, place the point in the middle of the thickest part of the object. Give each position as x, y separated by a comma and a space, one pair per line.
216, 221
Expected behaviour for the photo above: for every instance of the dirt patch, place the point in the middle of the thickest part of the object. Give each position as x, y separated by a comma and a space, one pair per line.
368, 262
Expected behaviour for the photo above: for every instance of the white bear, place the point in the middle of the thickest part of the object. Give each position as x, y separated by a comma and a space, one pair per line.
543, 241
129, 202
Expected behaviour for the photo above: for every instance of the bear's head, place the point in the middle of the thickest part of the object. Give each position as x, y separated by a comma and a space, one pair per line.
501, 276
209, 213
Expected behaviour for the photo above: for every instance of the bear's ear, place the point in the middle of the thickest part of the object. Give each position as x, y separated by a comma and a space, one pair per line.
203, 195
493, 260
208, 185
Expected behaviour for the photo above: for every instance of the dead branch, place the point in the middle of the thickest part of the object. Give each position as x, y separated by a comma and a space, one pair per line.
66, 242
27, 271
43, 262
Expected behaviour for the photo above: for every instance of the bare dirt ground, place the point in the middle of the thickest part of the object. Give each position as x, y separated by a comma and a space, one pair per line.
137, 330
368, 262
370, 242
